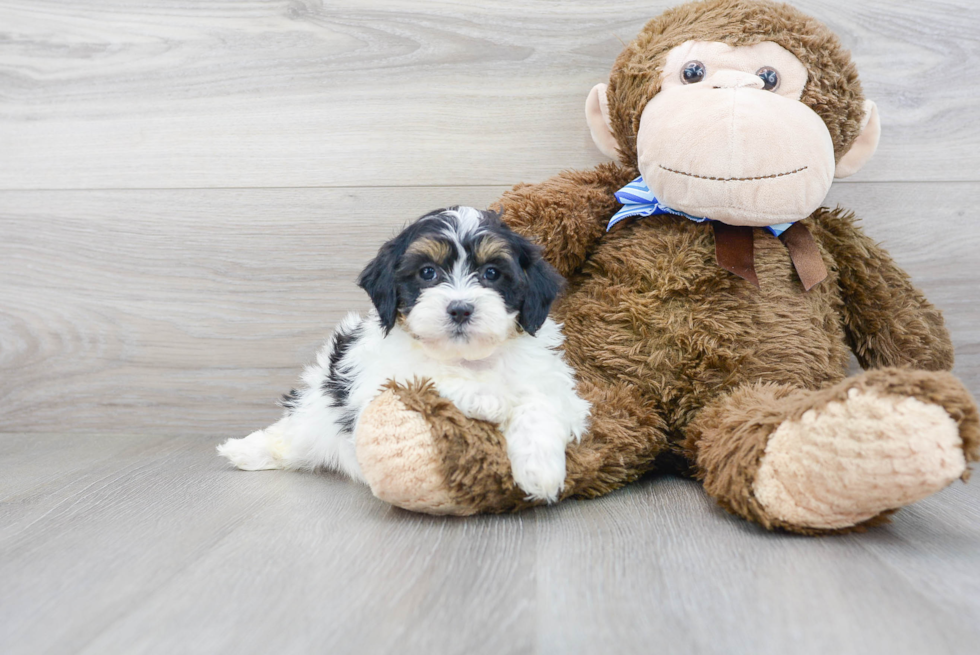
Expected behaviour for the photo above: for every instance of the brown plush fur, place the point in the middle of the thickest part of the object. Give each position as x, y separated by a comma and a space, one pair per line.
680, 357
567, 227
887, 321
651, 308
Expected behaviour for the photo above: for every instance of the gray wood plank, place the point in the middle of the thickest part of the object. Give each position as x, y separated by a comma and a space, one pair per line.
81, 554
163, 311
168, 550
657, 565
163, 308
163, 549
390, 92
934, 545
345, 582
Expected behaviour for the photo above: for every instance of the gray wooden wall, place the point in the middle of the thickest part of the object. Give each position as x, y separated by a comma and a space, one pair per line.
188, 189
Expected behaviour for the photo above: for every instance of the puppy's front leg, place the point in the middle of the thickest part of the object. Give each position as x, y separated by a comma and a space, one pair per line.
475, 400
536, 440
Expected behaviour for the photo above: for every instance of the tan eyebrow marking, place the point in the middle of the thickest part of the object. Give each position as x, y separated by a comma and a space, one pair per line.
491, 248
435, 249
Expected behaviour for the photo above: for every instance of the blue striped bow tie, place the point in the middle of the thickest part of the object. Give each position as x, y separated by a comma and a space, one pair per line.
639, 201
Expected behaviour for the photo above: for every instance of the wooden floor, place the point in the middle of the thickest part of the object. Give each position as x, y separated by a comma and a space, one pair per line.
133, 544
187, 192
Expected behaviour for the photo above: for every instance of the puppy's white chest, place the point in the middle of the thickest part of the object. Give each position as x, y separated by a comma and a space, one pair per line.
486, 372
477, 399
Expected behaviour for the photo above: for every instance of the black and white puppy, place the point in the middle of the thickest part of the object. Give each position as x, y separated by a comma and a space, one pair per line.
459, 299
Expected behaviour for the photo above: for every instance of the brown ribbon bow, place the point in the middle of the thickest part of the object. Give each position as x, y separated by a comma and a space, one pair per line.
735, 252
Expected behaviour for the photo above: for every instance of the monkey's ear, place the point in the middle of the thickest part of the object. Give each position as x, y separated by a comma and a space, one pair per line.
864, 146
597, 115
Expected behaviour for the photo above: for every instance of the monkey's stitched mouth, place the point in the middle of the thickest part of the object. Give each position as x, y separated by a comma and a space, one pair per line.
734, 179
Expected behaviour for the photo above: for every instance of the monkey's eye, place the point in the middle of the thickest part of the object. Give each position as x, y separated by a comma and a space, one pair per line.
427, 273
769, 76
490, 274
693, 72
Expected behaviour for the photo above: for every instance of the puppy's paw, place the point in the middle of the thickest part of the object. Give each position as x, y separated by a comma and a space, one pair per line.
536, 439
478, 403
487, 407
256, 452
540, 473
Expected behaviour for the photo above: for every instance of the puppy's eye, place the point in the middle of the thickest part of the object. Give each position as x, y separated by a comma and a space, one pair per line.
693, 72
427, 272
490, 274
769, 76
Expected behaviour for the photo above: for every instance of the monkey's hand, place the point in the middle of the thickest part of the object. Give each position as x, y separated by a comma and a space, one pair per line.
887, 320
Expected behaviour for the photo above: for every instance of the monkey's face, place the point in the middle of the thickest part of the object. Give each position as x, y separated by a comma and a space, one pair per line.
728, 138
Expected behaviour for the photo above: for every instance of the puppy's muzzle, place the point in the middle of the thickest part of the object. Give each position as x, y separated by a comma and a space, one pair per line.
459, 312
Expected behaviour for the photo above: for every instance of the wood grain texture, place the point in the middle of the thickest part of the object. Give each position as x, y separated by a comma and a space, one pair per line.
163, 549
115, 94
193, 310
660, 564
164, 308
187, 193
160, 548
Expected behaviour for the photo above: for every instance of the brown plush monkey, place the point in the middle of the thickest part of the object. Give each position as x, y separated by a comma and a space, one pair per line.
713, 342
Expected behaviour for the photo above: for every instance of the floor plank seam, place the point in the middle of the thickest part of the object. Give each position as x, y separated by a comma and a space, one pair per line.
400, 187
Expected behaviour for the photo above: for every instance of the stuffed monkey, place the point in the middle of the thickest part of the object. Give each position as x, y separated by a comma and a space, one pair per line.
711, 300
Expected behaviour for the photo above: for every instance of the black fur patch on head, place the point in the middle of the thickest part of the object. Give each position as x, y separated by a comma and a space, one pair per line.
387, 279
338, 382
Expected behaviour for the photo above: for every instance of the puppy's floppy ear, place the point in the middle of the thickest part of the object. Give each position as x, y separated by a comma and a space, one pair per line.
543, 285
378, 279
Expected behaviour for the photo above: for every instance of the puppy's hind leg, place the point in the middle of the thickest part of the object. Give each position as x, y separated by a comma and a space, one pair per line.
262, 450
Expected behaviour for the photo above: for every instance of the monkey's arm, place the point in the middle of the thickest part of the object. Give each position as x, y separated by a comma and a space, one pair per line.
888, 321
567, 214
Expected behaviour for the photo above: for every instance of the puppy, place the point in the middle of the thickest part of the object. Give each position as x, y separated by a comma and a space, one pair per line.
459, 299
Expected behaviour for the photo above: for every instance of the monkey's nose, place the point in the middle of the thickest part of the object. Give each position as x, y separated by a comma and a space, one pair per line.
730, 79
460, 312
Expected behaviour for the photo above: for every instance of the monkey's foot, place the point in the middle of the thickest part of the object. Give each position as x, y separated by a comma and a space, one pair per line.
419, 452
399, 458
851, 460
840, 458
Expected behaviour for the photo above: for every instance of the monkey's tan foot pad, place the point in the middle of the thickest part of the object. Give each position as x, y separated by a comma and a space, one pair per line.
857, 456
399, 457
419, 452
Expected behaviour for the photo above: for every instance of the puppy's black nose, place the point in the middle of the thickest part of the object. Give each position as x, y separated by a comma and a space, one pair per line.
459, 311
